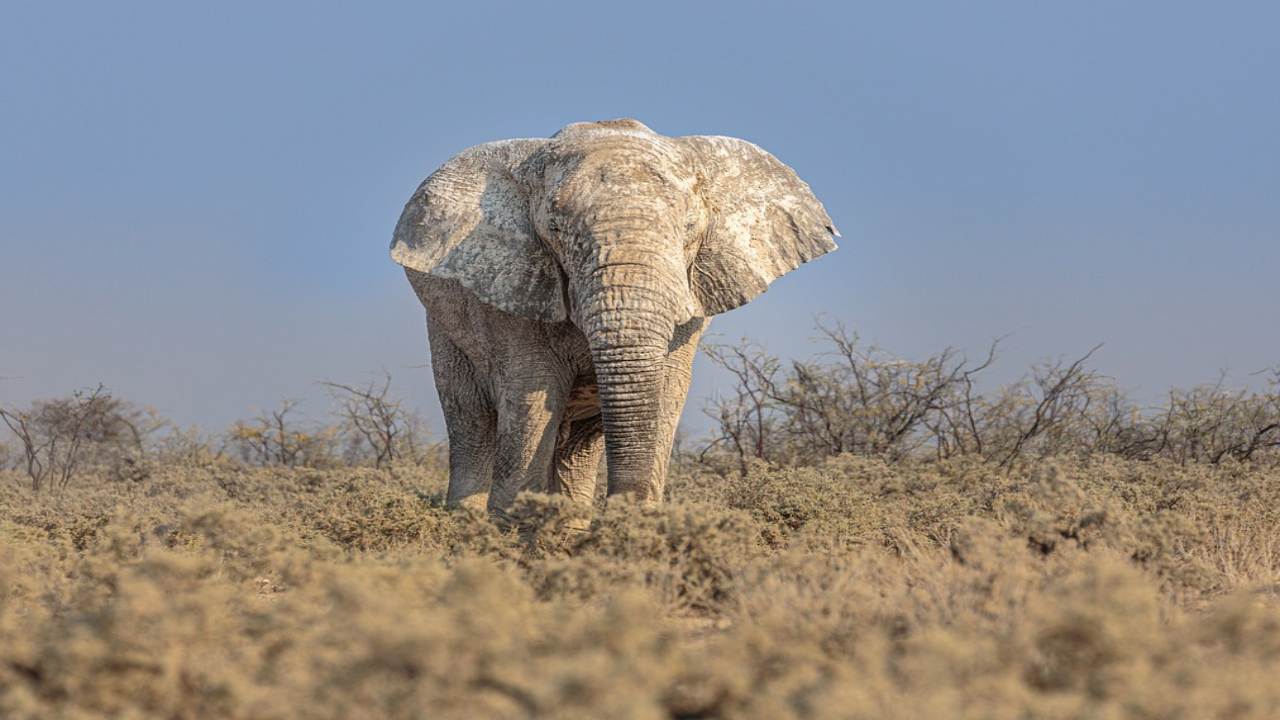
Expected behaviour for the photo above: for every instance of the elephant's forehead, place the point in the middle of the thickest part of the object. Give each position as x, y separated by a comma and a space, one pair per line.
618, 159
606, 175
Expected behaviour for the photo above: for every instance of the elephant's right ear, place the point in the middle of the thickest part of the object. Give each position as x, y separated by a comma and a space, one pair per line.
470, 222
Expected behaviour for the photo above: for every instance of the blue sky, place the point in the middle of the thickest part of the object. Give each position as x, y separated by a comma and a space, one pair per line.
196, 199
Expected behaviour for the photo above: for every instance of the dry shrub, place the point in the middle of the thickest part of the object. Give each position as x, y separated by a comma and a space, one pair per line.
377, 428
856, 588
858, 398
687, 553
277, 437
58, 438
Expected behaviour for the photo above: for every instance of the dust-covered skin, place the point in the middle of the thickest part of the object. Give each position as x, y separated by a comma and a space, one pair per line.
567, 282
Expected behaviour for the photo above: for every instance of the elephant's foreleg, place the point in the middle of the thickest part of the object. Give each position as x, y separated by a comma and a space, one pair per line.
576, 469
677, 373
470, 422
529, 413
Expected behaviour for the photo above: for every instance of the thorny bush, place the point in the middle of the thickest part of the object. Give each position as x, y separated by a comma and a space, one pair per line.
860, 399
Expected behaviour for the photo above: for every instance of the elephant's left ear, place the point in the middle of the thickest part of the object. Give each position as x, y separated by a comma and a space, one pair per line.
470, 222
764, 221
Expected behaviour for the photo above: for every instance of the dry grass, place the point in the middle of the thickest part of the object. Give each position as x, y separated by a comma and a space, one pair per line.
1068, 589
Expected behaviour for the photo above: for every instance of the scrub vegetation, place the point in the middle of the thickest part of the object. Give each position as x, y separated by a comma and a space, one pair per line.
864, 537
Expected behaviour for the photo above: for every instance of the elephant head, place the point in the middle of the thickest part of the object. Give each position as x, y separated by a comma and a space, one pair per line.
623, 232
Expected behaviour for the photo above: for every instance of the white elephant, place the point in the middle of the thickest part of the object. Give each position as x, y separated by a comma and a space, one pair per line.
567, 281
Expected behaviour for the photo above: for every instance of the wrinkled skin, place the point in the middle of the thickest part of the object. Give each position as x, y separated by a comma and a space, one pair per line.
567, 282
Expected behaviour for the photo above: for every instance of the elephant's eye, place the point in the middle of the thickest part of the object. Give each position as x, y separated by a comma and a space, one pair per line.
692, 237
692, 243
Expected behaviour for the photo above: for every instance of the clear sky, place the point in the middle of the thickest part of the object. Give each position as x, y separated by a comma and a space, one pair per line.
196, 198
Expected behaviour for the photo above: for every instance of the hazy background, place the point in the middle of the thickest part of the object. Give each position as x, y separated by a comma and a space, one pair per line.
196, 203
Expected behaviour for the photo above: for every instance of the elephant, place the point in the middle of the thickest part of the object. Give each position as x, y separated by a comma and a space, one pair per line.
567, 281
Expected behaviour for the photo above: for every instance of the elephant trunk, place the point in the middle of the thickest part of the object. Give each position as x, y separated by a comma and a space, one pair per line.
628, 314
